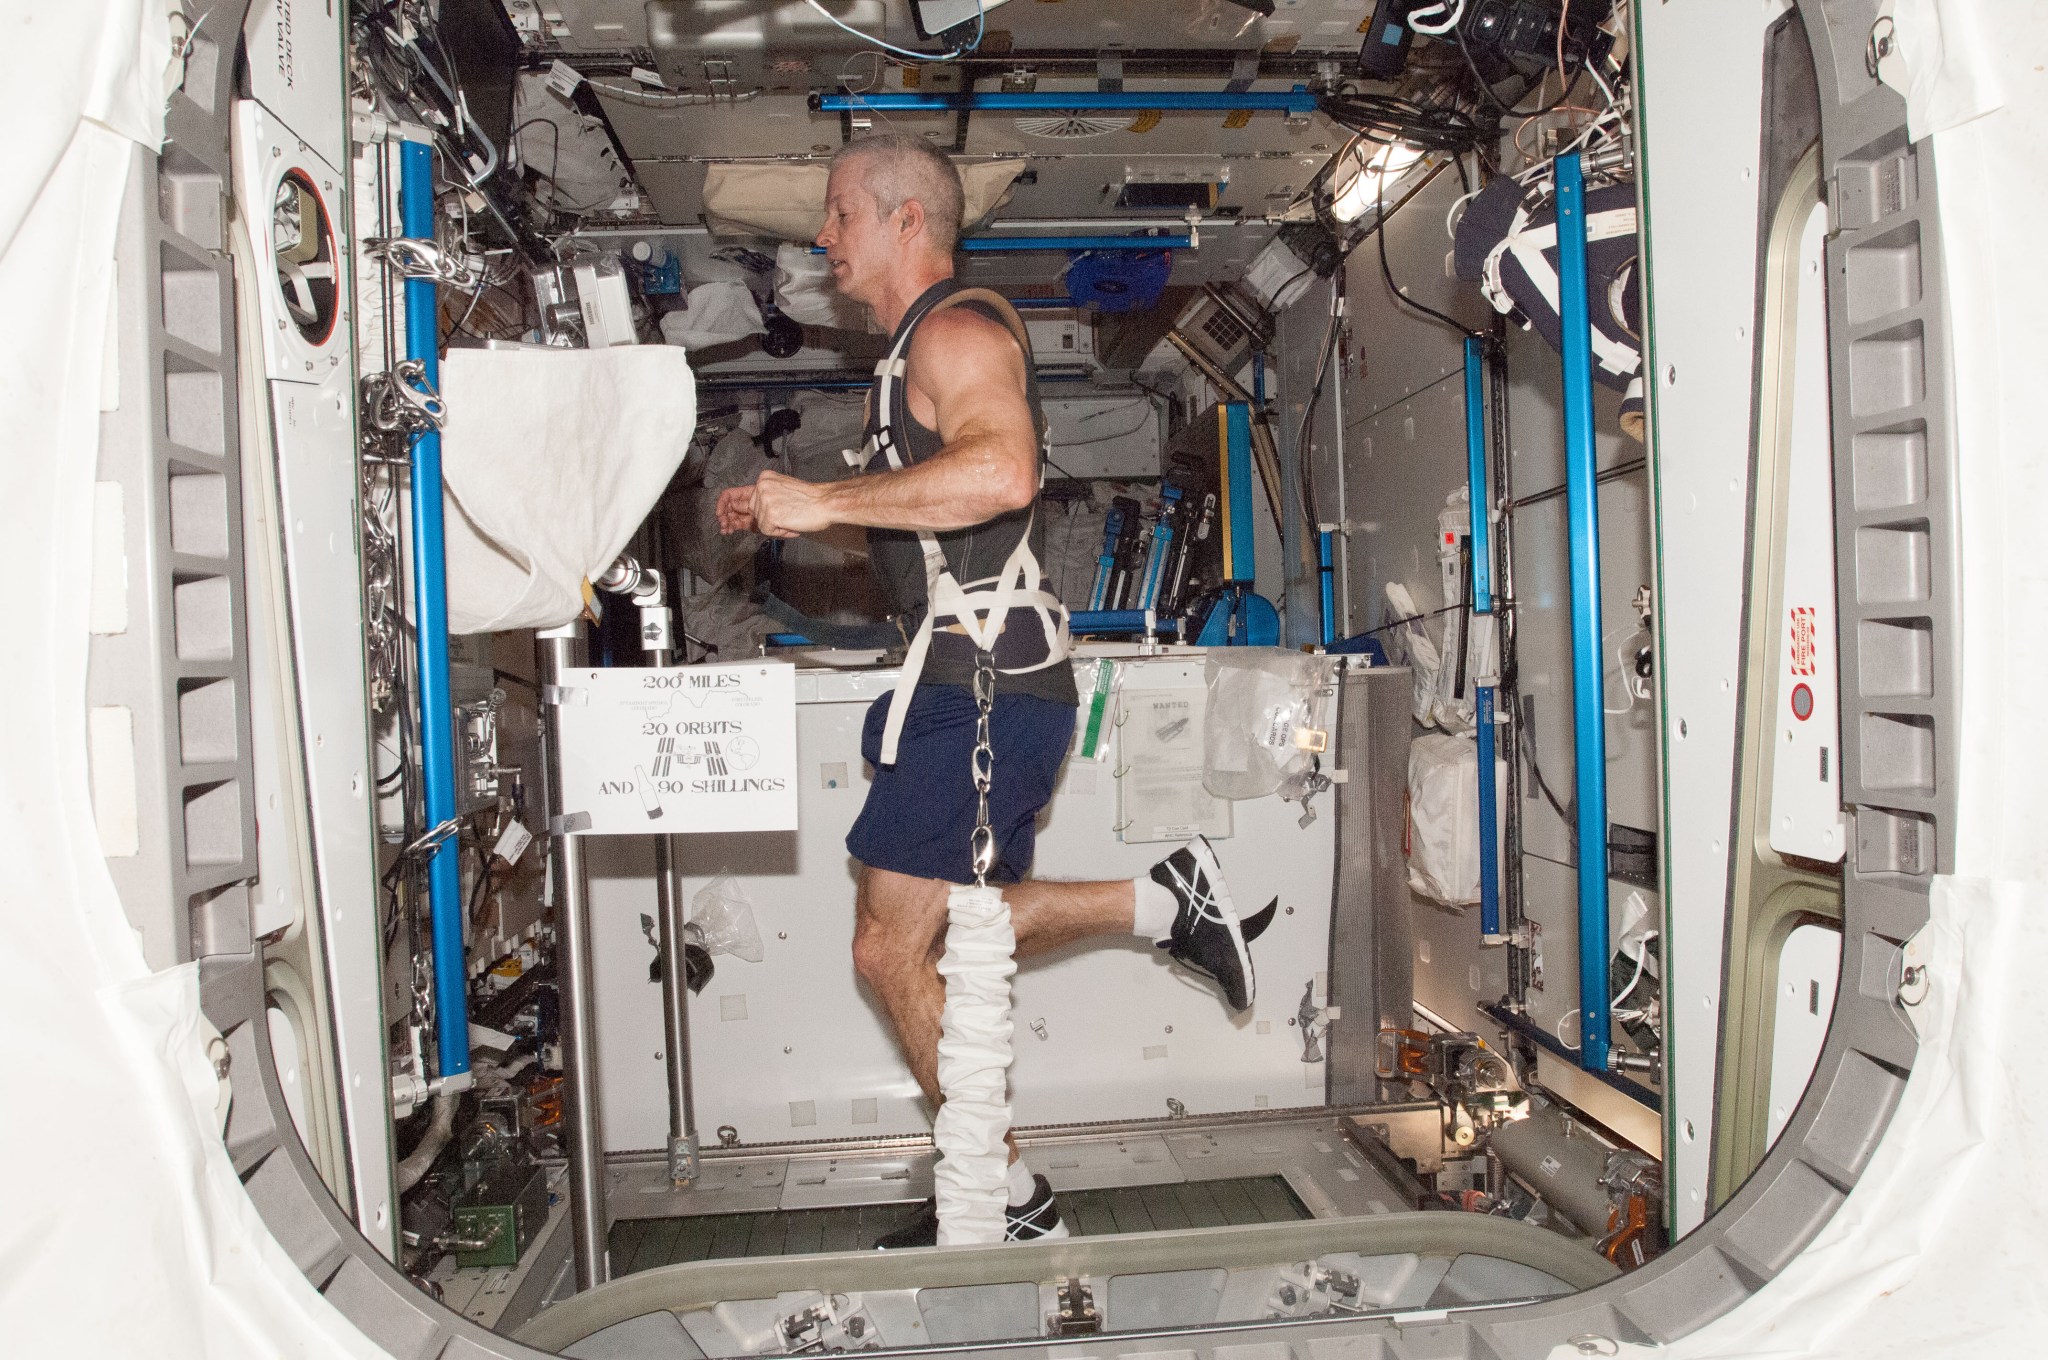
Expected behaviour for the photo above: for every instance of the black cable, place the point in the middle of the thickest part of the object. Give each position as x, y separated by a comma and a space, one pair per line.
1387, 273
1386, 119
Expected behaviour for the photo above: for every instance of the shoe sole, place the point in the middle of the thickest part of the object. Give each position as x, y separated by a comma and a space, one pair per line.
1205, 859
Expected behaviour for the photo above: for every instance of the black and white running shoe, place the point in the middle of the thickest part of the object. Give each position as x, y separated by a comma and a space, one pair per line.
1035, 1220
1207, 936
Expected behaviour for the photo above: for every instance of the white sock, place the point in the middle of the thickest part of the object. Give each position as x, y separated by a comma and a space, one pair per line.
1153, 909
1022, 1185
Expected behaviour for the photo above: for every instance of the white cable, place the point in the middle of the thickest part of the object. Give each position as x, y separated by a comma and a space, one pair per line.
1642, 953
1437, 30
971, 1180
980, 24
653, 99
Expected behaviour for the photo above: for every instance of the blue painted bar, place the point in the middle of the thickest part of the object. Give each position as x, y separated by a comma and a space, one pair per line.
1327, 568
1583, 546
1296, 101
1475, 471
1489, 813
1110, 621
980, 245
1481, 549
1238, 561
787, 640
430, 614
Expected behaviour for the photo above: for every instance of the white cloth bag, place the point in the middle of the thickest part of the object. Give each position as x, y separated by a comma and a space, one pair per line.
551, 459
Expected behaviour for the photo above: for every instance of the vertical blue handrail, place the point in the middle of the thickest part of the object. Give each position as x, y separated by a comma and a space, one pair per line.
1481, 550
1583, 535
430, 618
1326, 567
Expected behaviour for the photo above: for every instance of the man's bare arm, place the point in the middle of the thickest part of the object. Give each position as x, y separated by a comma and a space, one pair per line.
973, 372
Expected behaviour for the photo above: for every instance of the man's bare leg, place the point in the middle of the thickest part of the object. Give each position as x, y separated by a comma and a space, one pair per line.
900, 933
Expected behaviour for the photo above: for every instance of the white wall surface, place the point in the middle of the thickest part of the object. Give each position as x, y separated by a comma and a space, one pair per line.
797, 1037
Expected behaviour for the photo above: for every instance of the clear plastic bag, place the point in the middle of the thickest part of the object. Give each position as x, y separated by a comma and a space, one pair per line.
1268, 719
724, 916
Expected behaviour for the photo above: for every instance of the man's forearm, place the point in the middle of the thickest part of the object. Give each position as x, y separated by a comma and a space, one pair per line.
962, 485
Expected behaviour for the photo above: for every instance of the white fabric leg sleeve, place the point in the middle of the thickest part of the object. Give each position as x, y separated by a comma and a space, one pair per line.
972, 1177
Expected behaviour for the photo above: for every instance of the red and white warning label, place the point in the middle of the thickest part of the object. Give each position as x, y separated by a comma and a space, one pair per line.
1803, 641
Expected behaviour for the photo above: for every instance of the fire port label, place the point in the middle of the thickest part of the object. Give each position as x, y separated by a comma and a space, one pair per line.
1803, 640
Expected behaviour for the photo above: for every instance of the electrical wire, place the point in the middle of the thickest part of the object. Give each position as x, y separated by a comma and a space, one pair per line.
1387, 273
1432, 28
1386, 119
980, 27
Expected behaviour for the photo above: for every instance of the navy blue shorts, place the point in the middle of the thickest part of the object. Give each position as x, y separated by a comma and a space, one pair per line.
920, 811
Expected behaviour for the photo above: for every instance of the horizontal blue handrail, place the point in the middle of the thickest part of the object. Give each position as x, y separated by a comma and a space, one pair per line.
1296, 101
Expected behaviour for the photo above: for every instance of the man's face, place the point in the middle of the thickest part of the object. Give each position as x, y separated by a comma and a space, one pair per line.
861, 246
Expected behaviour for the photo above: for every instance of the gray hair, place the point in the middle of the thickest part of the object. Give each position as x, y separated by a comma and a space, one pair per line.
899, 169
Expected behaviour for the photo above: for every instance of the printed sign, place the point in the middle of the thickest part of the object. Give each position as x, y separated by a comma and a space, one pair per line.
670, 752
1803, 640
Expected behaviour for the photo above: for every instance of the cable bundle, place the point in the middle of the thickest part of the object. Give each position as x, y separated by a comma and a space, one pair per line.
1389, 118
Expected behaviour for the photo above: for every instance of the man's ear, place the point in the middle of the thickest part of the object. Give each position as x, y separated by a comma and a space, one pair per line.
913, 219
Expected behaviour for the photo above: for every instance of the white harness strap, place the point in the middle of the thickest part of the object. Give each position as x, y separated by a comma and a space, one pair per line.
980, 609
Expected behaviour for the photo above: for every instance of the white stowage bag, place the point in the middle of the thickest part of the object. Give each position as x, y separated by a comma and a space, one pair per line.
552, 458
805, 292
1268, 712
716, 313
971, 1180
1443, 815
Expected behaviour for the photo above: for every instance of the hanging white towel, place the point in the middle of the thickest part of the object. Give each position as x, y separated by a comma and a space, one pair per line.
551, 459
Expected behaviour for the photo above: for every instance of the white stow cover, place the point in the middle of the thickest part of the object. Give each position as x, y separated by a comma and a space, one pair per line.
552, 458
971, 1179
980, 609
130, 1233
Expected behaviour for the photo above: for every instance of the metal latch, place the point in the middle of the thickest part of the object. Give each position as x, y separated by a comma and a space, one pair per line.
1077, 1315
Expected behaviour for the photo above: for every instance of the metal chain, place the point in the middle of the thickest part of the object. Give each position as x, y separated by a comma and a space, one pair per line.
981, 846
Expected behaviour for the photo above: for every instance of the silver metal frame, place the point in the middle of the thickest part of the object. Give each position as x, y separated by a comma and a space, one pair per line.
1882, 190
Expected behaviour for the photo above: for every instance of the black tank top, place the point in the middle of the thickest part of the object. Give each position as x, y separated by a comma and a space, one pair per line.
972, 554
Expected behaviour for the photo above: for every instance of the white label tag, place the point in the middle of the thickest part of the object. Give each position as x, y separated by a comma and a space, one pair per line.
512, 842
563, 79
651, 79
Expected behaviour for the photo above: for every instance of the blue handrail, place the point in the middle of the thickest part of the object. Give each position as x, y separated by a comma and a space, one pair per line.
1481, 550
1589, 702
430, 617
1297, 101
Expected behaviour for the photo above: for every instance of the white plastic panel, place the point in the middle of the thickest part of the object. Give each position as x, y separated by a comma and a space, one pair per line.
1806, 778
294, 49
794, 1048
1809, 968
1701, 126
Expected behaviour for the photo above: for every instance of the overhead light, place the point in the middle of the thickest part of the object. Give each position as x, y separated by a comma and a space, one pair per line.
1369, 176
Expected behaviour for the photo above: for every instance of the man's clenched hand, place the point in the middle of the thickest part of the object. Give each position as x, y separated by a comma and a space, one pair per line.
775, 505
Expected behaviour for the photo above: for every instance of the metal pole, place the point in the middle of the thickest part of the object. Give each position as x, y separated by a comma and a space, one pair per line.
1583, 536
575, 982
1481, 642
1343, 525
683, 1164
430, 618
1508, 695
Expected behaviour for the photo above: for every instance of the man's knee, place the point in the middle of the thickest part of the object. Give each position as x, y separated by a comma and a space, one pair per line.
894, 926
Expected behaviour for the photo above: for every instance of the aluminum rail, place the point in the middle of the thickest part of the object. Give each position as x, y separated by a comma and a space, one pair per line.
430, 622
1589, 721
575, 980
